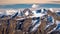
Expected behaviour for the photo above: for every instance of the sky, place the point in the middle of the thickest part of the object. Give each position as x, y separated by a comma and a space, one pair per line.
4, 2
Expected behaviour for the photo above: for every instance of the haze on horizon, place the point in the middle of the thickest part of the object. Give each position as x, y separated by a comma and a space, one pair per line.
4, 2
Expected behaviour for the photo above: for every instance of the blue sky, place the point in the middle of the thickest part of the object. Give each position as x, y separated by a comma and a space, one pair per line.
29, 6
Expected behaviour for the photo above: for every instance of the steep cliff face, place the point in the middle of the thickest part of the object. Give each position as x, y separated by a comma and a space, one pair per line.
30, 24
